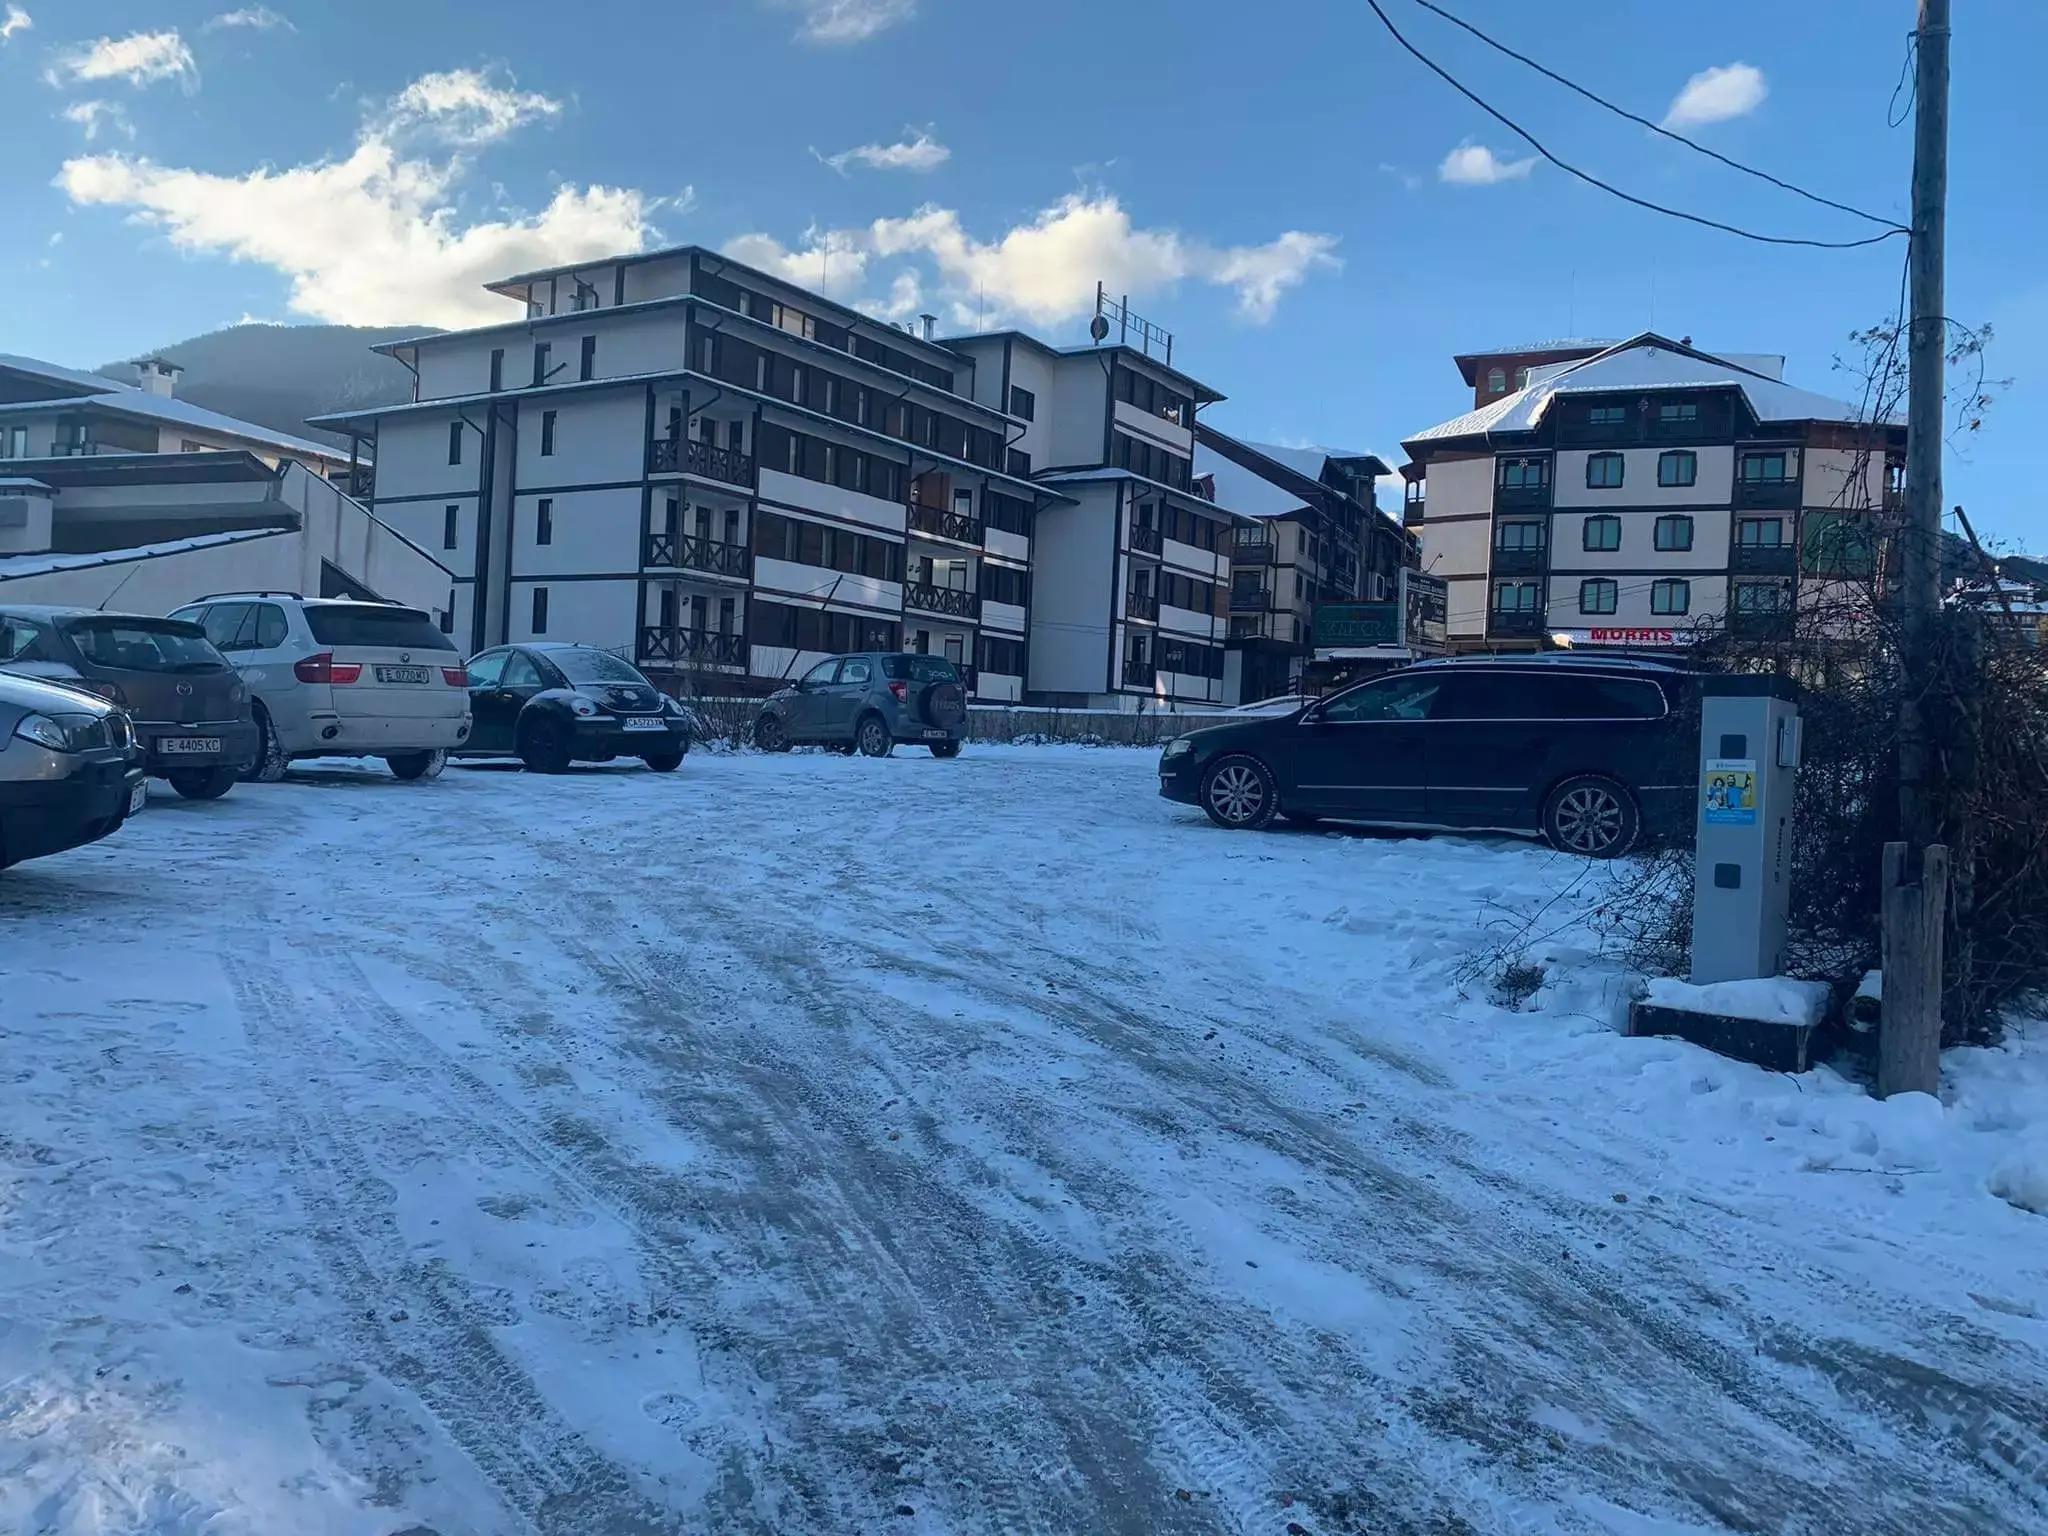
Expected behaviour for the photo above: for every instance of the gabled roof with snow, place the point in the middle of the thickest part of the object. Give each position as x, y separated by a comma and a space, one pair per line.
1256, 490
50, 373
1246, 491
1647, 364
141, 405
13, 567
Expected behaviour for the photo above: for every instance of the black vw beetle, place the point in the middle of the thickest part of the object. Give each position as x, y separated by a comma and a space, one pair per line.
551, 704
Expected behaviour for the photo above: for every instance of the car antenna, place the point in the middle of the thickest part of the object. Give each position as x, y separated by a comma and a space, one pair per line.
117, 587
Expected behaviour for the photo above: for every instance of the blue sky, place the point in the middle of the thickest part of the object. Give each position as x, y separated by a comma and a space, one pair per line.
1320, 222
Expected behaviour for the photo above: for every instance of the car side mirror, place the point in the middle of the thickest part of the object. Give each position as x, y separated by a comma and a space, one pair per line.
1312, 717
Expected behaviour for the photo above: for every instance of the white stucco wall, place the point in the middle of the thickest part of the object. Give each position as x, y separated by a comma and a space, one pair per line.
1638, 543
599, 438
588, 612
1714, 477
816, 496
1076, 564
594, 531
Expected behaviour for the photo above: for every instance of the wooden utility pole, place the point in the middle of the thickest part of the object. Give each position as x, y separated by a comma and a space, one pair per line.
1915, 885
1920, 535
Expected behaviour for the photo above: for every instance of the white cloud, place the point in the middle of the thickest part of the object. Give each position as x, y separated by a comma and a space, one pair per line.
1474, 165
1717, 94
847, 21
95, 116
464, 106
1044, 270
1407, 178
375, 237
141, 58
16, 20
257, 18
917, 150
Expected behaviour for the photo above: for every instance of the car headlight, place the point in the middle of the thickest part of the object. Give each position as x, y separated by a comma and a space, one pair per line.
582, 709
46, 731
1180, 746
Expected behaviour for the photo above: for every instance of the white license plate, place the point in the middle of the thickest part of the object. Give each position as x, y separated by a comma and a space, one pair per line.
645, 723
172, 746
934, 735
137, 798
401, 674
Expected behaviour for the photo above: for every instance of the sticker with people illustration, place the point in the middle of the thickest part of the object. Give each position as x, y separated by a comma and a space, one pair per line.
1730, 789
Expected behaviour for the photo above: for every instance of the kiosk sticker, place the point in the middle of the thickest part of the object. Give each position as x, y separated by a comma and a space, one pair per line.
1729, 784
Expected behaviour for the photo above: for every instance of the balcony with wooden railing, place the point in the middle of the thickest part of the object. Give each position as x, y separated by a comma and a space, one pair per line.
1146, 540
692, 456
672, 645
1141, 605
688, 552
1250, 599
1140, 674
947, 602
944, 523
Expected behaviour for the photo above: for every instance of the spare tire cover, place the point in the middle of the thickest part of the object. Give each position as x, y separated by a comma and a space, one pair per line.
943, 705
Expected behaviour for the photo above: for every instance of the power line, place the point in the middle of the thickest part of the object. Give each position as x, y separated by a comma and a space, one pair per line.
1892, 225
1591, 180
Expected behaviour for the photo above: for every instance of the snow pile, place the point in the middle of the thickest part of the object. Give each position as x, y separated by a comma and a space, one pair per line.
1765, 999
2023, 1180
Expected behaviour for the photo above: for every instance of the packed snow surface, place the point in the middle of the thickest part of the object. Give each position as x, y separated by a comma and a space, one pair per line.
806, 1144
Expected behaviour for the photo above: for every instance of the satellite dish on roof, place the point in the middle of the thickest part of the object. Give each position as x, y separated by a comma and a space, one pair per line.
1098, 328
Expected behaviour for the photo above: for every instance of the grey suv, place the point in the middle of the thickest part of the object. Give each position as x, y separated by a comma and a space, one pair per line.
868, 702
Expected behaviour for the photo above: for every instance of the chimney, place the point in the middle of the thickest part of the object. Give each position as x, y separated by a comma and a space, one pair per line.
928, 321
157, 376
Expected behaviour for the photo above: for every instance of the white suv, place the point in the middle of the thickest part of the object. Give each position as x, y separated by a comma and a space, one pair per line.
339, 677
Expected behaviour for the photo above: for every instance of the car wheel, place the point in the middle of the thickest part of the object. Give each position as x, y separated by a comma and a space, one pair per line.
770, 734
663, 762
544, 747
417, 765
270, 759
945, 749
1240, 793
203, 783
873, 738
1591, 816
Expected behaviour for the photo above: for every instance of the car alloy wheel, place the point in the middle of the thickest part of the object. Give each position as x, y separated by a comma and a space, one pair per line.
769, 735
874, 737
1237, 793
1590, 819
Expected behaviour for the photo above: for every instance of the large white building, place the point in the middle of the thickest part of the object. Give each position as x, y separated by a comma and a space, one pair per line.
1632, 493
723, 475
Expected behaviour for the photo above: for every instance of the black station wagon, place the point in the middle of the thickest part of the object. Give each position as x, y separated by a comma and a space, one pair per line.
1592, 754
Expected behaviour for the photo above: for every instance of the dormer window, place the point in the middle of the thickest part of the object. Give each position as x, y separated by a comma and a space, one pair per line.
1496, 381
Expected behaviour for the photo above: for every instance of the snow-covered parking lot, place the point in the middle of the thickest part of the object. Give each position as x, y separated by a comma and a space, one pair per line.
807, 1144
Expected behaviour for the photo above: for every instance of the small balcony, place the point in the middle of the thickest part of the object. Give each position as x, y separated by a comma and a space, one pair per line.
1521, 498
673, 646
940, 523
1764, 560
1250, 599
1767, 493
1140, 674
1257, 550
687, 552
1146, 540
1520, 562
1521, 624
1141, 605
691, 456
948, 602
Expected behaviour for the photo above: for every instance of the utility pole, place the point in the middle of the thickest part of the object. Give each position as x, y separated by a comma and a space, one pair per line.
1915, 873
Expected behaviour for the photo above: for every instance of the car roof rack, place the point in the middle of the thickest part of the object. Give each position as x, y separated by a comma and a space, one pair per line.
212, 596
1559, 659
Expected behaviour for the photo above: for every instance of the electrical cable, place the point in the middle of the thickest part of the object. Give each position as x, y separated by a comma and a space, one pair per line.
1591, 180
1659, 128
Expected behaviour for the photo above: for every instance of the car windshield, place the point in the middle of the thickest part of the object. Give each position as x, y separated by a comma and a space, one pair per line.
922, 669
581, 665
375, 624
144, 645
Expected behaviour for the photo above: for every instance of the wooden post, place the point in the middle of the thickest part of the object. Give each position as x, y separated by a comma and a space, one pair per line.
1909, 1038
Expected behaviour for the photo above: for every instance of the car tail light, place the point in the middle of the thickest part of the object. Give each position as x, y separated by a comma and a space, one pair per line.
323, 668
900, 688
455, 677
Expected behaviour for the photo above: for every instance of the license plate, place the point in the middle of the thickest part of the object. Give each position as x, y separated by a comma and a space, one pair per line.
646, 723
137, 798
197, 746
401, 674
934, 735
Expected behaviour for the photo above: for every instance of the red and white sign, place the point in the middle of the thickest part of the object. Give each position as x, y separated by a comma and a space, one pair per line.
1626, 637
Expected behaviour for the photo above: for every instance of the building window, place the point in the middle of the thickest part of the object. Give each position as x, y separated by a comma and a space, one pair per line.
1837, 544
1679, 467
1598, 595
1609, 416
540, 610
1601, 533
1020, 463
14, 443
1496, 381
588, 367
451, 517
1762, 597
1775, 467
1670, 596
497, 369
1523, 536
1023, 403
455, 442
544, 521
1678, 412
1760, 532
547, 434
1603, 471
1524, 474
1515, 597
540, 362
1672, 533
1521, 378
